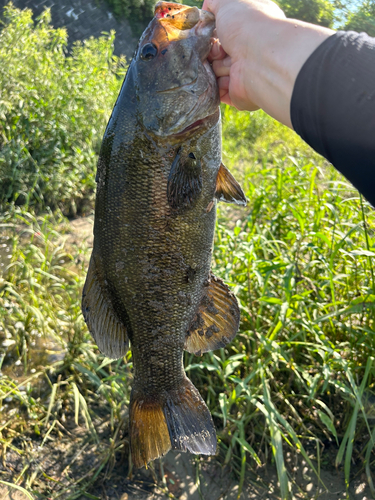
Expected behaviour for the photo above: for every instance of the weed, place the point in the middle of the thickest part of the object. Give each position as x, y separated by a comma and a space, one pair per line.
53, 112
299, 377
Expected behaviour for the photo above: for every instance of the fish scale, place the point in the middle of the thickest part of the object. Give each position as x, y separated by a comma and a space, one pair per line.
149, 280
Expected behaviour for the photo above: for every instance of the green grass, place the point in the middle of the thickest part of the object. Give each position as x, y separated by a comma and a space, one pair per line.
300, 373
53, 111
298, 378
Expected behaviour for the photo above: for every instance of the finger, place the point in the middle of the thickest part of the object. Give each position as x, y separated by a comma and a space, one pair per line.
221, 67
214, 5
224, 91
205, 5
217, 52
223, 84
211, 5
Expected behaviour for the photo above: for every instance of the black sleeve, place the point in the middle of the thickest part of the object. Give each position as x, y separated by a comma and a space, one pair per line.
333, 106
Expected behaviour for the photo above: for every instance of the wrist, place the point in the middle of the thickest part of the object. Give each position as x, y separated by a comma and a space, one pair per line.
276, 49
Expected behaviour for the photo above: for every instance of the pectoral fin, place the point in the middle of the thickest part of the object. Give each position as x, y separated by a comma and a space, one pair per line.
185, 180
217, 320
228, 189
108, 331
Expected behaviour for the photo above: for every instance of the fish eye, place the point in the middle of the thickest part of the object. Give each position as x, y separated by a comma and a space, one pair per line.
148, 52
192, 156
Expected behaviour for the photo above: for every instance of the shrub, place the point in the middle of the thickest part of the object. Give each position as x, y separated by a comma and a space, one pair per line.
139, 10
53, 111
363, 18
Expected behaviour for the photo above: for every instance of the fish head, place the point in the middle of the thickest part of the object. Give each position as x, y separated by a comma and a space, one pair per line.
175, 86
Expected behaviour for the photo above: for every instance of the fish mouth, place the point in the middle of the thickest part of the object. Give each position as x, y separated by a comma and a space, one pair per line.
194, 126
176, 22
182, 17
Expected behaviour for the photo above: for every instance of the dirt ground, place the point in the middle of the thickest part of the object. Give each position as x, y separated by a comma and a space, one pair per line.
189, 478
185, 477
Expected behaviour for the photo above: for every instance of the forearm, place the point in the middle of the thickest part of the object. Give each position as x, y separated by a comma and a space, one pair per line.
262, 53
273, 62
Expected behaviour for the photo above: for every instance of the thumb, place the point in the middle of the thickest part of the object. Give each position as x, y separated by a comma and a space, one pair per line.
212, 5
205, 5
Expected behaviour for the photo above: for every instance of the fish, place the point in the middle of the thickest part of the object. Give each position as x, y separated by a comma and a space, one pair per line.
149, 283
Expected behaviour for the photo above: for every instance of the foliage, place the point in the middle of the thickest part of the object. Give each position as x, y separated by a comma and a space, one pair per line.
49, 354
53, 110
140, 11
137, 10
363, 18
299, 375
312, 11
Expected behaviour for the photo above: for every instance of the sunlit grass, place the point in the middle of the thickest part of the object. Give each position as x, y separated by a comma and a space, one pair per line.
298, 376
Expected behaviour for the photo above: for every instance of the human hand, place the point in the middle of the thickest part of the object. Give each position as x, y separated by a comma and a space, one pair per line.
229, 53
259, 54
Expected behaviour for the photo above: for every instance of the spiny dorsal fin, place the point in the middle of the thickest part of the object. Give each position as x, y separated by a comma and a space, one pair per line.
184, 181
217, 320
228, 189
108, 331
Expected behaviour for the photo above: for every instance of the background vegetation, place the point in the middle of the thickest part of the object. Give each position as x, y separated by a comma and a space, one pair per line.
340, 14
52, 112
299, 377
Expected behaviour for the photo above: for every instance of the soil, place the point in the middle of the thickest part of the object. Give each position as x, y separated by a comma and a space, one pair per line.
186, 477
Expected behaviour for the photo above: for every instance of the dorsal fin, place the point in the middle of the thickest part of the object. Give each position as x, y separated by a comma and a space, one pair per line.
108, 331
228, 189
217, 320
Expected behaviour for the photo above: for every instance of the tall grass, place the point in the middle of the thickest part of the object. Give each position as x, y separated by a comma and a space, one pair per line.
40, 295
298, 378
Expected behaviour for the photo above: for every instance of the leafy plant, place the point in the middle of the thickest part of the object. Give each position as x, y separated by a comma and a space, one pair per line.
312, 11
53, 111
362, 18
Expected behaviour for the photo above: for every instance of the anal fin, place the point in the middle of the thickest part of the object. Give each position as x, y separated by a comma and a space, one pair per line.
104, 325
217, 320
228, 189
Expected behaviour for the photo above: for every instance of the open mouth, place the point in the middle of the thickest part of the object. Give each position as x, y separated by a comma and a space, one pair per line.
193, 126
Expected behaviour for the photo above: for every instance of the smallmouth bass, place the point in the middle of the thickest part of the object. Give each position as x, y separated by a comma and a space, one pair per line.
149, 282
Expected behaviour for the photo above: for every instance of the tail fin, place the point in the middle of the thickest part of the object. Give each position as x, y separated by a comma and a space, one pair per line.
178, 419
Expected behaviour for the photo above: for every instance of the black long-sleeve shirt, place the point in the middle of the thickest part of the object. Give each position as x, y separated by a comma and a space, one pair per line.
333, 106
